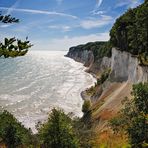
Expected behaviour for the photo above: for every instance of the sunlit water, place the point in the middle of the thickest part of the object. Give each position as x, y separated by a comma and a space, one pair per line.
32, 85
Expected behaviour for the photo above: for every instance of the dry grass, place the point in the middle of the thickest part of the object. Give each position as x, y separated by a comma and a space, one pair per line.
107, 139
106, 108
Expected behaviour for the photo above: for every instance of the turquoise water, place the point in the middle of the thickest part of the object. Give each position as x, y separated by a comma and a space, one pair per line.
32, 85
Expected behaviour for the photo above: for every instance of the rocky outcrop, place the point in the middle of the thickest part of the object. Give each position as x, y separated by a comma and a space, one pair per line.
99, 66
125, 67
84, 56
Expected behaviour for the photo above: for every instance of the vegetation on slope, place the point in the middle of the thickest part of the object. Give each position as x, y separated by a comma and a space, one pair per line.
96, 90
130, 32
133, 119
13, 47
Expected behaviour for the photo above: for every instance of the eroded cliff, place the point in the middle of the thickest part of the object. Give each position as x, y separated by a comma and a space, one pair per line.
125, 67
107, 98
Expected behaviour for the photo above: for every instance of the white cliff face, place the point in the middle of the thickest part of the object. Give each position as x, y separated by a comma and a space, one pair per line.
84, 56
125, 67
100, 65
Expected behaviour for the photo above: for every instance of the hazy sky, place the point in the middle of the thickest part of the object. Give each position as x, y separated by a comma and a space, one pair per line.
59, 24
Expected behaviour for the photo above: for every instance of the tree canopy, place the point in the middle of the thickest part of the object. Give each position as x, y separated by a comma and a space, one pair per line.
58, 131
130, 32
99, 49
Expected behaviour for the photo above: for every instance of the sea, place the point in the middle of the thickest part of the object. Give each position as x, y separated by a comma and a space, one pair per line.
30, 86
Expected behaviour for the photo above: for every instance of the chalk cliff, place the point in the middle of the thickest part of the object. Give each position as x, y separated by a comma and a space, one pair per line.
124, 66
107, 98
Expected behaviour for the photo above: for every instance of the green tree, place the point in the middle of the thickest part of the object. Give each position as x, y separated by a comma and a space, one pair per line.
134, 117
130, 32
58, 131
12, 132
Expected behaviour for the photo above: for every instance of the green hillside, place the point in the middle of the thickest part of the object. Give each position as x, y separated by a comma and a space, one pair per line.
130, 32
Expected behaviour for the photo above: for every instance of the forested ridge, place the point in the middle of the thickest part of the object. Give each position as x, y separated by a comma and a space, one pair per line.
99, 48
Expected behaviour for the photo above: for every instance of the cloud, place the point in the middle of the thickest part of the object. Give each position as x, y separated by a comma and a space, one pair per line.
97, 12
96, 23
128, 3
99, 2
12, 7
63, 28
59, 1
40, 12
66, 42
5, 25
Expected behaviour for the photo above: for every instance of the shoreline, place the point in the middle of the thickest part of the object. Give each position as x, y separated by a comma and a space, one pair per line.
83, 94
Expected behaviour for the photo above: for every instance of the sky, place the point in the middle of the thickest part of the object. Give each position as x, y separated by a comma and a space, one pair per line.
60, 24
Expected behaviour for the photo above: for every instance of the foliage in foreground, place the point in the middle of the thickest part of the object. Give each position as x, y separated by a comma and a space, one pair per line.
12, 132
58, 131
133, 119
8, 19
13, 47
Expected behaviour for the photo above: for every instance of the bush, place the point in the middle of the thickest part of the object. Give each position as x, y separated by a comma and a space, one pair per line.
86, 106
104, 77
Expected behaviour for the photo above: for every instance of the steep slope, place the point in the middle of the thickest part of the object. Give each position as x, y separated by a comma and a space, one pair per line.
125, 56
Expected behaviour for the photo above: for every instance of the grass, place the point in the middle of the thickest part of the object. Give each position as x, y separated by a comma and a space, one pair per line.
107, 139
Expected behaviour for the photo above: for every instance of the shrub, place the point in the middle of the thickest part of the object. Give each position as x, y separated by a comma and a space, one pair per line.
86, 106
104, 76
